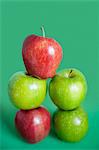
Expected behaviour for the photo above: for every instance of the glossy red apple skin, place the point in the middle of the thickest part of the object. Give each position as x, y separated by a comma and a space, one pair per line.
41, 56
34, 124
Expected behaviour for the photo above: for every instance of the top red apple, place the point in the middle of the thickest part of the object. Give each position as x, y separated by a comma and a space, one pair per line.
41, 55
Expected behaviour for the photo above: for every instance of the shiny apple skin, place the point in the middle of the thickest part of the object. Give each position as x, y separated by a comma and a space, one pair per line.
26, 92
68, 92
34, 124
72, 125
41, 56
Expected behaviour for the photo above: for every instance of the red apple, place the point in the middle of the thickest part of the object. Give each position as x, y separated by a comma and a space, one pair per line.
34, 124
41, 55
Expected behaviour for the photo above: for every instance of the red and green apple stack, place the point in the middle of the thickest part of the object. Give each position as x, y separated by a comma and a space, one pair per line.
67, 89
27, 89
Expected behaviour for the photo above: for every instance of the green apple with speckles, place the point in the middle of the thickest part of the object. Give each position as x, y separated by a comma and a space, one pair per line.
68, 89
71, 125
26, 92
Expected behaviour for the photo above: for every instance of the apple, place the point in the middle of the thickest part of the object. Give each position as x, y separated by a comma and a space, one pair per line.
41, 55
71, 125
68, 89
26, 92
34, 124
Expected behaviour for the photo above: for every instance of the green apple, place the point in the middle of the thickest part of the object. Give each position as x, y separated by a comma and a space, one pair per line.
71, 125
26, 92
68, 88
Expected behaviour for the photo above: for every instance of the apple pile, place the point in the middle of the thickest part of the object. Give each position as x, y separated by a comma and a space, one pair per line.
67, 89
27, 90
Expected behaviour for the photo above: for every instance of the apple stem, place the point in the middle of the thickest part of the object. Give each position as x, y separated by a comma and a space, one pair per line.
43, 31
70, 73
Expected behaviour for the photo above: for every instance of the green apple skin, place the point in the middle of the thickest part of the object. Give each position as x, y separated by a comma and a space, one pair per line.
72, 125
68, 89
26, 92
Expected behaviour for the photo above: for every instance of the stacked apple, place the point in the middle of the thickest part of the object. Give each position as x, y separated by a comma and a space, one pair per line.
27, 91
67, 90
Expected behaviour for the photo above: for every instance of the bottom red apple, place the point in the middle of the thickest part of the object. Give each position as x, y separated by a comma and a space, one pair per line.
34, 124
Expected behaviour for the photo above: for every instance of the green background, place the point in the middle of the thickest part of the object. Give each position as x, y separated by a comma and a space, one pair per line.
75, 25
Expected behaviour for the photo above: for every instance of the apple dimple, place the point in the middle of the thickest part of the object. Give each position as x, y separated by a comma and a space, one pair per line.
71, 74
